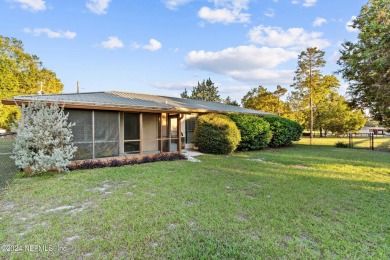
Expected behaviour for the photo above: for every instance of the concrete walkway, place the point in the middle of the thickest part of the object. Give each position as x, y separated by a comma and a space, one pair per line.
190, 152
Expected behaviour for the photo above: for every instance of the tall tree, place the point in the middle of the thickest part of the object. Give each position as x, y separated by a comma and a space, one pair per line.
308, 75
279, 92
366, 63
184, 94
336, 116
299, 101
206, 91
21, 74
261, 99
229, 101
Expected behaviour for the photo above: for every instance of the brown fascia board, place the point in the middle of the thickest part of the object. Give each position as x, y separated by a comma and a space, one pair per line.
76, 105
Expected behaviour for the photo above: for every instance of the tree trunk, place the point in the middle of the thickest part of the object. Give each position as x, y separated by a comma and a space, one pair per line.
311, 117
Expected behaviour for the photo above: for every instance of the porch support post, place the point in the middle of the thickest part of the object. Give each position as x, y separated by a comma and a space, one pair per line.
141, 137
161, 132
179, 118
121, 133
93, 134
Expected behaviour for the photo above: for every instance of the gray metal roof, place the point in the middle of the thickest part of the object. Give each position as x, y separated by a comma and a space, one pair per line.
138, 101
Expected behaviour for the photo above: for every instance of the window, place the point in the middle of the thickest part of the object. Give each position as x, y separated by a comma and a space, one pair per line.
190, 129
131, 133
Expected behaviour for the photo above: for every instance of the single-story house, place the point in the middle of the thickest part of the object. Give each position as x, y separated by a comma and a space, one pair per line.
113, 123
376, 130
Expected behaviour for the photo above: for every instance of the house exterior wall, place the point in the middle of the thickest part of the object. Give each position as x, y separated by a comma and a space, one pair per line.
100, 134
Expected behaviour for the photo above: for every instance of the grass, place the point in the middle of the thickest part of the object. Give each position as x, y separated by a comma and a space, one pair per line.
381, 143
297, 202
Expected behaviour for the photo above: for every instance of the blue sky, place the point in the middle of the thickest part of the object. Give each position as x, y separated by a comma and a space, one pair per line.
163, 46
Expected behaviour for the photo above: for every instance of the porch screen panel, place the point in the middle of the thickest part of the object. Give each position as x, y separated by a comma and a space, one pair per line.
82, 132
150, 133
106, 134
131, 133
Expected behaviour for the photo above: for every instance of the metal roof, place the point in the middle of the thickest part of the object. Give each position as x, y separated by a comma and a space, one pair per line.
126, 100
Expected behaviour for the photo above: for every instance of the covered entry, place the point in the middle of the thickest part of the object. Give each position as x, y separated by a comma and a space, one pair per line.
149, 133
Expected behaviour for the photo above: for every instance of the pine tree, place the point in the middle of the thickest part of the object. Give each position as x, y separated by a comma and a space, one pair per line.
229, 101
43, 140
206, 91
308, 76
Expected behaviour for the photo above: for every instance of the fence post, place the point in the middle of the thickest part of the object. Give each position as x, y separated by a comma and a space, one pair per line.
372, 141
350, 140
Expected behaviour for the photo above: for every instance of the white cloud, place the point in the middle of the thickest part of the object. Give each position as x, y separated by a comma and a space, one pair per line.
265, 76
334, 57
233, 89
244, 63
319, 21
349, 27
175, 85
270, 12
174, 4
32, 5
153, 45
308, 3
50, 33
223, 15
112, 43
242, 57
226, 11
296, 38
98, 6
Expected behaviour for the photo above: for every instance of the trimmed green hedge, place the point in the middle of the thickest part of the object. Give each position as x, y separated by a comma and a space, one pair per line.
284, 131
217, 134
255, 131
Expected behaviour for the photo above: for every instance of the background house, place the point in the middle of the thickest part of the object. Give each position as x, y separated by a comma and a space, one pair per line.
376, 130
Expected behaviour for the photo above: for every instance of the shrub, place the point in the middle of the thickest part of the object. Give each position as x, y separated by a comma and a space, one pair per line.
284, 131
92, 164
255, 131
43, 140
217, 134
342, 144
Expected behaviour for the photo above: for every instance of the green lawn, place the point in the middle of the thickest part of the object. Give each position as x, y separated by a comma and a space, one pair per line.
298, 202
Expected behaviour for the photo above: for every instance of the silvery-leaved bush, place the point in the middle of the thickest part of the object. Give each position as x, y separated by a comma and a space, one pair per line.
43, 140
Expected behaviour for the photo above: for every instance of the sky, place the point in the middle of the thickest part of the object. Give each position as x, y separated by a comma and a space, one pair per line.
164, 46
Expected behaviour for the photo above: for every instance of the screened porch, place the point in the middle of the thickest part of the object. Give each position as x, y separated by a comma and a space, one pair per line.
100, 134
